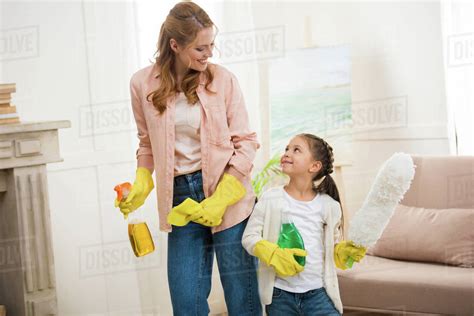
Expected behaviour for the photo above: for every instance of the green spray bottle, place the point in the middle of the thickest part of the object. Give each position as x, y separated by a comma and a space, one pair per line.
290, 237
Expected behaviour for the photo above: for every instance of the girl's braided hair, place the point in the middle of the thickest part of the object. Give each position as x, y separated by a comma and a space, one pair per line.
323, 152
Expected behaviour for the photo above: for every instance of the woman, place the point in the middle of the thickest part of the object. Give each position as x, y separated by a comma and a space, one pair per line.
193, 129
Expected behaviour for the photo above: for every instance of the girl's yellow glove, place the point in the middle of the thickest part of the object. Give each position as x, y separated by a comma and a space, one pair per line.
347, 251
141, 188
281, 259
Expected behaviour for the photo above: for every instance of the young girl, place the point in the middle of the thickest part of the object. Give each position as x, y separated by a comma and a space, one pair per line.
311, 201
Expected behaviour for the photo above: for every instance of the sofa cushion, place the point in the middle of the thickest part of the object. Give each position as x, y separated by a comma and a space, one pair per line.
442, 182
428, 235
386, 284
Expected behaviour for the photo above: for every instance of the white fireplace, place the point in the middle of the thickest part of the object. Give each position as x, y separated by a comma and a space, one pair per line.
27, 278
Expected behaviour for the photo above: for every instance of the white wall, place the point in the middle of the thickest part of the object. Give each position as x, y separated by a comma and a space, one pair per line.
77, 58
458, 27
397, 58
83, 54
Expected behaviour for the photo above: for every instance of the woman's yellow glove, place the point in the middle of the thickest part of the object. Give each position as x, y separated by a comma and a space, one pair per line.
181, 214
345, 252
211, 210
281, 259
228, 192
141, 188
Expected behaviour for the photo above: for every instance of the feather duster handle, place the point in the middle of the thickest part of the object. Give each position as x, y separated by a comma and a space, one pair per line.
389, 187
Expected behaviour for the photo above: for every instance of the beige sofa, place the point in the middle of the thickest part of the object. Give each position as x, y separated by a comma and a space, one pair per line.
420, 265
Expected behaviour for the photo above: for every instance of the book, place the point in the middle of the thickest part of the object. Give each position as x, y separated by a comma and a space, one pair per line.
8, 115
10, 120
7, 109
5, 102
7, 88
4, 96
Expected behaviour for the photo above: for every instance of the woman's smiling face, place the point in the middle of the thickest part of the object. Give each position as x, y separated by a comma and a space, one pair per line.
196, 55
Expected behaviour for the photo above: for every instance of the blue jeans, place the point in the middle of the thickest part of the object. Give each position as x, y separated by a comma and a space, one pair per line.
314, 302
190, 259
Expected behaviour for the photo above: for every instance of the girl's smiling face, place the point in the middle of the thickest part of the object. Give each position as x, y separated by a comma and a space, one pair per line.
298, 159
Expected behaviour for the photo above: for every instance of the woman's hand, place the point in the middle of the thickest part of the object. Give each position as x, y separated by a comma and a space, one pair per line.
228, 192
141, 188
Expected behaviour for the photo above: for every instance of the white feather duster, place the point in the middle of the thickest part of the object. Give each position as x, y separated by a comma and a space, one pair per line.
389, 187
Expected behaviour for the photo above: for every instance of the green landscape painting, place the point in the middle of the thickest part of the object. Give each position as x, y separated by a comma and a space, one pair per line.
310, 92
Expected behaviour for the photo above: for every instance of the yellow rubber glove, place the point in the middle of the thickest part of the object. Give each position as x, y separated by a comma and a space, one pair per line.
141, 188
228, 192
281, 259
345, 250
211, 210
180, 215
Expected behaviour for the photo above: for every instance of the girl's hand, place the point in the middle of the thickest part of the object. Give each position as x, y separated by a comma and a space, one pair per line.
281, 259
347, 251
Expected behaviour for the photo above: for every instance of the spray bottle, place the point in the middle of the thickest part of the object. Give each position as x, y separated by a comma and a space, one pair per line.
290, 237
138, 232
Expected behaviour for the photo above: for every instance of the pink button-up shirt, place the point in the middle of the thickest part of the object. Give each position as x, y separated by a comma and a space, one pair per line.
226, 139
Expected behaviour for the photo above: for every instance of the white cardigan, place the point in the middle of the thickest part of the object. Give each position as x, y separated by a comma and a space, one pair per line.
265, 223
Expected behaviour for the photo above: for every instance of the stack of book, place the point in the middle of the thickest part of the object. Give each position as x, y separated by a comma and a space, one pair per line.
8, 114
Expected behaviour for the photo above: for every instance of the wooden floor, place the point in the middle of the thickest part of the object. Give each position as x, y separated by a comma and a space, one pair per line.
355, 313
349, 313
359, 313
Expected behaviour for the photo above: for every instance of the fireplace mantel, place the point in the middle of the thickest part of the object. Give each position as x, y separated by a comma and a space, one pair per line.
27, 278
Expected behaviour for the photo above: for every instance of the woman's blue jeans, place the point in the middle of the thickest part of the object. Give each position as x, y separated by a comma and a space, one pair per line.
190, 259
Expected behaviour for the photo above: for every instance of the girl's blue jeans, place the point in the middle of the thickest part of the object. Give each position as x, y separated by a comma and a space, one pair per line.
314, 302
191, 251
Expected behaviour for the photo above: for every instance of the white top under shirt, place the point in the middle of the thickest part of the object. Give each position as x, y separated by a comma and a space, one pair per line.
188, 136
308, 219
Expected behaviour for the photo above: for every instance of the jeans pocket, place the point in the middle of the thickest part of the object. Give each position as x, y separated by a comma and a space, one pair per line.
276, 292
316, 291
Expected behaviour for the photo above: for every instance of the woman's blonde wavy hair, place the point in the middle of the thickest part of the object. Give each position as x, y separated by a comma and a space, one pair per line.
183, 23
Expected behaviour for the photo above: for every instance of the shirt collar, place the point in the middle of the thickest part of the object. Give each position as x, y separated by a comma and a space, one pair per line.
157, 73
